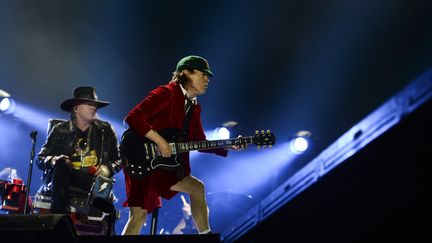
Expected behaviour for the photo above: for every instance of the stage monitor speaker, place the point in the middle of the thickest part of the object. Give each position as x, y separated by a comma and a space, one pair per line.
25, 228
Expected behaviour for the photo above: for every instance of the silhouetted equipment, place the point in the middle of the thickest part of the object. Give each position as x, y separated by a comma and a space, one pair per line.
30, 172
36, 228
12, 195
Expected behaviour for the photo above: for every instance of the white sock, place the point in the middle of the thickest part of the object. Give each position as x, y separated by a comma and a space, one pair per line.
205, 232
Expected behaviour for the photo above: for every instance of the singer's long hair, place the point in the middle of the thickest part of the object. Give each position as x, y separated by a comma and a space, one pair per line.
181, 77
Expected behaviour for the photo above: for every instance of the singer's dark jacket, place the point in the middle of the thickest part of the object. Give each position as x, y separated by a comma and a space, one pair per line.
62, 137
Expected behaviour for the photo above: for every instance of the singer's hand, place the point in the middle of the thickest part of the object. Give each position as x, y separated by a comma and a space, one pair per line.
55, 158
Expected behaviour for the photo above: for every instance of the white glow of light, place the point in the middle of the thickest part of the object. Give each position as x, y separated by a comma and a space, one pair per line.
4, 104
221, 133
299, 145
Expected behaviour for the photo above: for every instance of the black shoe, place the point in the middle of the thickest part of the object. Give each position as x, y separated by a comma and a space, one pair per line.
58, 208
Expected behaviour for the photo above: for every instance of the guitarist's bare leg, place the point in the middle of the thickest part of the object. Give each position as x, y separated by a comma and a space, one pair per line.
137, 218
195, 188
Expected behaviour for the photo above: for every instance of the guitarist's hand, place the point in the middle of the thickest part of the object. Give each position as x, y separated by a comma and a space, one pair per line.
164, 148
239, 147
162, 144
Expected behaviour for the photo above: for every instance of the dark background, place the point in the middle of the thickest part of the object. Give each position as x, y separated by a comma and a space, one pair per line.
380, 194
281, 65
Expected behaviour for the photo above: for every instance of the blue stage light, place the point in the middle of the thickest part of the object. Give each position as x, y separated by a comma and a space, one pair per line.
300, 142
7, 104
224, 131
221, 133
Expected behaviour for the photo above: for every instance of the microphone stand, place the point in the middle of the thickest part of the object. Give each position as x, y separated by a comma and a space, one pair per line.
32, 154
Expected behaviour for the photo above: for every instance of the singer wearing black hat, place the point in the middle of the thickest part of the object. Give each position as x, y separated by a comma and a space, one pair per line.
79, 149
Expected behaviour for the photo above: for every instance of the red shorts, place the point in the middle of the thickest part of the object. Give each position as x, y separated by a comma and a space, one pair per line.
147, 192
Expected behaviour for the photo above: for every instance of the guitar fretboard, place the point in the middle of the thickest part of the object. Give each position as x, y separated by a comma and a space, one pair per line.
142, 156
213, 144
262, 139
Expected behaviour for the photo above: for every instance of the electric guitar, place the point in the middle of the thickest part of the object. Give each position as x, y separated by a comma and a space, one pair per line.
140, 156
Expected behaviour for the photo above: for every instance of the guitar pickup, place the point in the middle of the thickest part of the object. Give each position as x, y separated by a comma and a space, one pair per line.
173, 148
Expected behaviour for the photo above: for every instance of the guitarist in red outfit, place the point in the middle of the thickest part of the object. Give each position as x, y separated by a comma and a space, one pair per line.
166, 107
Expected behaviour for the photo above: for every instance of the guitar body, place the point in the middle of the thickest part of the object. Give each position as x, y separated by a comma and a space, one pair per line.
140, 156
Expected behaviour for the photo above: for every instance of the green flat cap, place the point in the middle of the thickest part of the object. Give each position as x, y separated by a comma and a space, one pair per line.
194, 62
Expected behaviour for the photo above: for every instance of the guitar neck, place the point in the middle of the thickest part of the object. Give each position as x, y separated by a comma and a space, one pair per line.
213, 144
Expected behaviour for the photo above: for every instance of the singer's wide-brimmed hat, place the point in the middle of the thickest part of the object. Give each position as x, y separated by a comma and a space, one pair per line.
81, 95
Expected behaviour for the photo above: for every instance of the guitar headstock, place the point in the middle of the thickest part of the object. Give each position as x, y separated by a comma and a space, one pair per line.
264, 138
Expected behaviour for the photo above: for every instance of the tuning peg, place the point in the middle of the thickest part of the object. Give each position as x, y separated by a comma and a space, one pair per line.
264, 147
258, 147
256, 132
268, 131
262, 131
270, 146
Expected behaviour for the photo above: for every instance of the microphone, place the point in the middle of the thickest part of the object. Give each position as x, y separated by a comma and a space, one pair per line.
103, 204
33, 134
